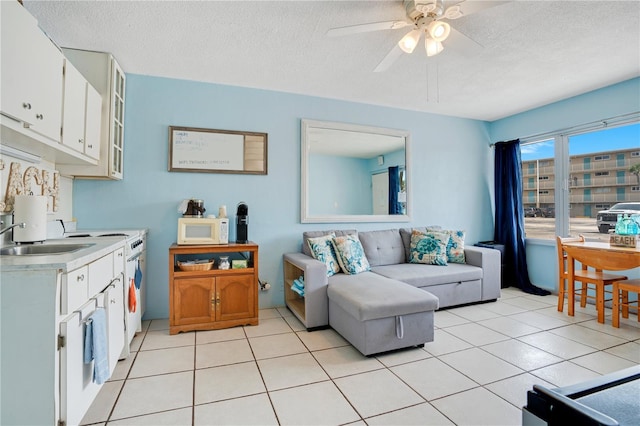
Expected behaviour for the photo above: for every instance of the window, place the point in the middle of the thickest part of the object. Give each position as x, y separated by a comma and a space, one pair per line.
602, 190
579, 174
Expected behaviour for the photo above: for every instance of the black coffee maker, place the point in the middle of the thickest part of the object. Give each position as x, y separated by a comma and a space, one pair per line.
242, 224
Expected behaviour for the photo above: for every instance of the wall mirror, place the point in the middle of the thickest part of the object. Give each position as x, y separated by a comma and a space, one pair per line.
353, 173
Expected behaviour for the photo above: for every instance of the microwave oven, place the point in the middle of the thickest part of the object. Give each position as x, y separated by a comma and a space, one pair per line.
194, 230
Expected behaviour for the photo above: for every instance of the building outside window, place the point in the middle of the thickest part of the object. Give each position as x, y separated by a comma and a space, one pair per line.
601, 168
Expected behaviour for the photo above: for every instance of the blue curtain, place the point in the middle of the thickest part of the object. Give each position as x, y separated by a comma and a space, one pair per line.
394, 188
509, 226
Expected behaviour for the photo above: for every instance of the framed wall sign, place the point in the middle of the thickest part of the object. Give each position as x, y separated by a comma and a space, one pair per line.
217, 151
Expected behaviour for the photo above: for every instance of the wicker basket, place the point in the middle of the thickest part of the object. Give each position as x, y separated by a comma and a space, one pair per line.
195, 266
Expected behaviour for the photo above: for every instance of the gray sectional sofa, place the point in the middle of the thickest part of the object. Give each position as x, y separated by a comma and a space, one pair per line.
391, 306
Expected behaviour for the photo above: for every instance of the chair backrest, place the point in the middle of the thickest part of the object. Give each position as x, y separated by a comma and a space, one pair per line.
562, 256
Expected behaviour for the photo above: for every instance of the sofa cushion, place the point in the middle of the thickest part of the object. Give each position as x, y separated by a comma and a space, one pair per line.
370, 296
322, 250
429, 247
383, 247
312, 234
405, 234
350, 254
419, 275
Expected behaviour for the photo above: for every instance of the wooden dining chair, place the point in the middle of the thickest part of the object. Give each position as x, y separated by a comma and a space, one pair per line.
585, 276
621, 301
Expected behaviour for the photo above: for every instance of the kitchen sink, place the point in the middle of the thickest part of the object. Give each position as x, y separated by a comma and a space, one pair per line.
45, 249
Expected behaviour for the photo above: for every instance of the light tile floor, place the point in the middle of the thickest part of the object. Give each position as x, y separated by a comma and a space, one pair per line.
477, 370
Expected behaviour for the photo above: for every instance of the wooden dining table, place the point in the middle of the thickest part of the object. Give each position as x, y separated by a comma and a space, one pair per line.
602, 256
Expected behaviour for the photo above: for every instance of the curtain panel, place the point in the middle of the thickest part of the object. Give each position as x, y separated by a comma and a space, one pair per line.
509, 222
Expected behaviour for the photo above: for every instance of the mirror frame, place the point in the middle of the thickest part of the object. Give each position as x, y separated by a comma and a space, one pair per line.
306, 216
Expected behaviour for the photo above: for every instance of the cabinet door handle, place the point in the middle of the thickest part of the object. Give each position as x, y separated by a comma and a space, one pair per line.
80, 278
26, 105
39, 116
113, 301
89, 146
218, 298
80, 141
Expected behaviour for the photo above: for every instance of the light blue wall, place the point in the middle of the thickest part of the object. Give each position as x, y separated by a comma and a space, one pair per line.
612, 101
451, 179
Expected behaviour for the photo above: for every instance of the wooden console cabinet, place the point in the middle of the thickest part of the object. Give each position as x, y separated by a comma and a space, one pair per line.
216, 298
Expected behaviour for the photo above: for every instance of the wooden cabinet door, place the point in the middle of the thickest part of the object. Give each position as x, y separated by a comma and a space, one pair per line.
236, 295
194, 300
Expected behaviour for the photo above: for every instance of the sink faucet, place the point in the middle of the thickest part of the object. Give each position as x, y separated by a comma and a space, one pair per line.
20, 225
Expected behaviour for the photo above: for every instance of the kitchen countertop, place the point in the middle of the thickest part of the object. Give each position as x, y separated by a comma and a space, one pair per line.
64, 261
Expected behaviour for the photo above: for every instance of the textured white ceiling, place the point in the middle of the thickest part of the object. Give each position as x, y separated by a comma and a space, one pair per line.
535, 52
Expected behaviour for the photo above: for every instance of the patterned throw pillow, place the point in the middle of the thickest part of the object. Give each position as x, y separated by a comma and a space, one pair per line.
455, 247
429, 247
322, 250
350, 254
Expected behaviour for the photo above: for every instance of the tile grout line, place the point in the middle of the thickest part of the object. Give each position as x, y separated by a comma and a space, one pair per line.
580, 323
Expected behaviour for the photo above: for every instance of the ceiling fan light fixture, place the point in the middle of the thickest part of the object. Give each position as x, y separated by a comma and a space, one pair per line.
439, 31
433, 47
409, 42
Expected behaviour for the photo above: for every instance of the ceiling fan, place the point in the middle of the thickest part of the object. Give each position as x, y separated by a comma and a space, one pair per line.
428, 17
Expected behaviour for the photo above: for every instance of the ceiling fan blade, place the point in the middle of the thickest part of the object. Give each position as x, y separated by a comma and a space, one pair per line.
461, 43
364, 28
388, 60
469, 7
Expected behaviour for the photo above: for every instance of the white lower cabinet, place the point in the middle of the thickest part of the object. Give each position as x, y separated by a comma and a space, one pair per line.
43, 315
77, 388
115, 327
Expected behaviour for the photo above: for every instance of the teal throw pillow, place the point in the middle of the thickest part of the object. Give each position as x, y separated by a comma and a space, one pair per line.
350, 254
322, 250
429, 247
455, 247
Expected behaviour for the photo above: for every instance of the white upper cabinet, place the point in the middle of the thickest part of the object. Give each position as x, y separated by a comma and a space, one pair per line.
93, 123
103, 73
75, 88
81, 113
31, 73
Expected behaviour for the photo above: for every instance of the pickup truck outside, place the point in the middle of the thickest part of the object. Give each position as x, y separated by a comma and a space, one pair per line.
606, 219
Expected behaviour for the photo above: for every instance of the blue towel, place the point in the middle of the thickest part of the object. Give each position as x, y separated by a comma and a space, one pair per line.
88, 339
96, 346
298, 287
137, 277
